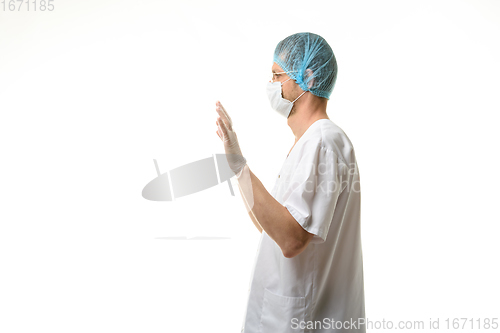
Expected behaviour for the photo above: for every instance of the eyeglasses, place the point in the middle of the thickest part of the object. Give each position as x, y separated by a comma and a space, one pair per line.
276, 75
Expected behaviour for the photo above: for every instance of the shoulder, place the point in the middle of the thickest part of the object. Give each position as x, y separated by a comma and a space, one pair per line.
326, 136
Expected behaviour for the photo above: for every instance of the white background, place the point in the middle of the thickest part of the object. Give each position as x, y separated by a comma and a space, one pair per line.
92, 92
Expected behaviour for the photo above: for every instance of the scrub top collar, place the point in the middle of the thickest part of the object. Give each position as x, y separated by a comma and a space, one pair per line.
304, 134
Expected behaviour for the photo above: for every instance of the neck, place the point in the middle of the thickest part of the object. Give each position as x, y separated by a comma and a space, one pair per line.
307, 111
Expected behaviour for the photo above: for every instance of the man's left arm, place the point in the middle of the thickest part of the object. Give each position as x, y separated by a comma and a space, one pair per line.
273, 217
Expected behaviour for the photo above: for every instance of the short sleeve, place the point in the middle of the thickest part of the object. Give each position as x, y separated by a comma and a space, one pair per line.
312, 189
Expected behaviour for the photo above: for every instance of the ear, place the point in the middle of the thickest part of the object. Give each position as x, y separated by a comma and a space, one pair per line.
308, 74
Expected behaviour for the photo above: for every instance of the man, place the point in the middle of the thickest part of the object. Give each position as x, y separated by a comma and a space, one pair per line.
308, 273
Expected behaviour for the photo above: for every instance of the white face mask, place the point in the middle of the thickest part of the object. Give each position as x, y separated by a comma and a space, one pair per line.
278, 103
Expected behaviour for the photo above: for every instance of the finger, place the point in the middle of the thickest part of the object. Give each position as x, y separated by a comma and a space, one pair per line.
222, 127
220, 113
220, 122
223, 114
229, 121
219, 131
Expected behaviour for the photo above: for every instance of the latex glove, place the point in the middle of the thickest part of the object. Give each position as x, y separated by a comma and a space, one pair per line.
226, 133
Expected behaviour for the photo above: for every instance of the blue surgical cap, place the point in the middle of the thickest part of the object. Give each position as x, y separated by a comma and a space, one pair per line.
303, 51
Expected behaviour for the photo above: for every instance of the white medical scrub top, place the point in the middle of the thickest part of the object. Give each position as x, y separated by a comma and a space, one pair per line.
319, 185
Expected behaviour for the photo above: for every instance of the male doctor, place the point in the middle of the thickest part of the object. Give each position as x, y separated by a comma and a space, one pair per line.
308, 273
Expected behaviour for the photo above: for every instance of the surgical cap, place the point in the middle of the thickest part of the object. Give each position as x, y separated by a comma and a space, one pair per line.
305, 50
